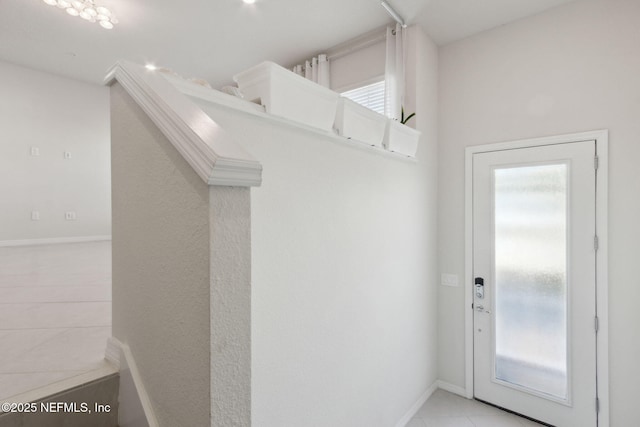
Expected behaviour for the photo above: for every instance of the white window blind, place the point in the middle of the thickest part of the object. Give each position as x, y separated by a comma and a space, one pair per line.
371, 96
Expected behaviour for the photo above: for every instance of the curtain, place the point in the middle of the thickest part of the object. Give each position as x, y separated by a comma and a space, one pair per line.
316, 69
394, 72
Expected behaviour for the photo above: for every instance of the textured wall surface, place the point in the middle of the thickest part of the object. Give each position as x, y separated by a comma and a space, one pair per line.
230, 217
343, 271
54, 114
567, 70
160, 265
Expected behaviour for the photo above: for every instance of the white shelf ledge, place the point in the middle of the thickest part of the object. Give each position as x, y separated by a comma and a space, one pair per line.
230, 102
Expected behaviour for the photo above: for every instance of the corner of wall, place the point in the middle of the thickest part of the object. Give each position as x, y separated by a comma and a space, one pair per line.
134, 405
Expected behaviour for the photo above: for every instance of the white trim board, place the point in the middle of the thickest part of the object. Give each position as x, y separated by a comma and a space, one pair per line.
602, 146
53, 241
212, 153
413, 410
452, 388
120, 355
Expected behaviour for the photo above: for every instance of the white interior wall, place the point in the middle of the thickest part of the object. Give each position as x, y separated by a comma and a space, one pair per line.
161, 262
54, 114
567, 70
422, 97
362, 65
343, 271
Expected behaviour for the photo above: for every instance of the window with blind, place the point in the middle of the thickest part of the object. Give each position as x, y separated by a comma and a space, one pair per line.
371, 96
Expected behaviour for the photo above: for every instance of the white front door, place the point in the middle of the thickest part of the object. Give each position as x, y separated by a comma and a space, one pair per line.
534, 264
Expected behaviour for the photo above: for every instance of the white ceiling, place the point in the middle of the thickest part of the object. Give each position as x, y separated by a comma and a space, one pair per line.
214, 39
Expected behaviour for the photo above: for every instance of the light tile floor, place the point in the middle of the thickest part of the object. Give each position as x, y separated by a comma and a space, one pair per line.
444, 409
55, 313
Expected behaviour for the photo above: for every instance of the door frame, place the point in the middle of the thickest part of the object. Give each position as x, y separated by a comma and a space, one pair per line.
602, 143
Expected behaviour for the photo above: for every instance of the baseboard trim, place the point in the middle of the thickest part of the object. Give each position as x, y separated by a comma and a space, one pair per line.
451, 388
112, 352
120, 355
416, 406
54, 240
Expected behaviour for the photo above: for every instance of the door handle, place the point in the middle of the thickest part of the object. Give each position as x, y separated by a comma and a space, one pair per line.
481, 309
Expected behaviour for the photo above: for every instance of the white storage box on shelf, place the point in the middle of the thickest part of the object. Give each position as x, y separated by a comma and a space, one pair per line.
288, 95
360, 123
401, 139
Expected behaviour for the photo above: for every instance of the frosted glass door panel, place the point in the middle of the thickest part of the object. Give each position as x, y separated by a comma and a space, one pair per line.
530, 253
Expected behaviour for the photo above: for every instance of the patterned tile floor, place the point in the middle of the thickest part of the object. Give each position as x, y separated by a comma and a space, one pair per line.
55, 313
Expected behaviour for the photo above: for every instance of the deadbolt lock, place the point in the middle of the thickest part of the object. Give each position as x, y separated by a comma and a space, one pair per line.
479, 287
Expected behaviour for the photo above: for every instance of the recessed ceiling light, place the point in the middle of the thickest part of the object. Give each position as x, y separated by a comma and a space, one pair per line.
249, 1
150, 67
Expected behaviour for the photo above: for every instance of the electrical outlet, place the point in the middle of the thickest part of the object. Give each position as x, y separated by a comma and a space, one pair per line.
67, 154
35, 151
35, 216
70, 216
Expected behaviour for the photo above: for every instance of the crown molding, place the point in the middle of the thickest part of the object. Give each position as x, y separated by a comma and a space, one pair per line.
215, 156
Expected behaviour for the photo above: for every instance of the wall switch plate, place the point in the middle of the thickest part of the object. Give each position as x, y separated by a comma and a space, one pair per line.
449, 280
35, 216
70, 216
67, 154
35, 151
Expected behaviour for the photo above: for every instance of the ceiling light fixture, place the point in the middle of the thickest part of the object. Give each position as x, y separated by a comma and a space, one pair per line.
86, 9
249, 1
395, 15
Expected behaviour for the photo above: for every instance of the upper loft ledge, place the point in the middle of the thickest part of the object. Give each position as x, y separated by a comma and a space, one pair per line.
208, 148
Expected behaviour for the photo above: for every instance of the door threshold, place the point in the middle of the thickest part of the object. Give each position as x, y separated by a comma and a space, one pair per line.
514, 413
